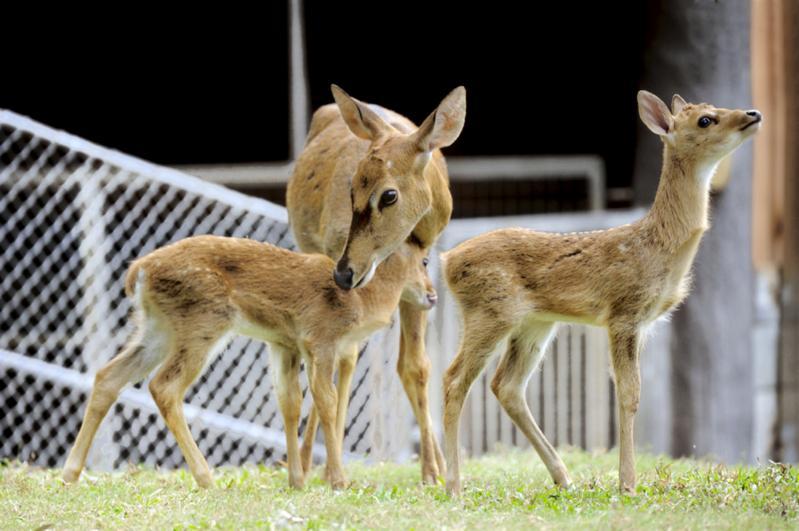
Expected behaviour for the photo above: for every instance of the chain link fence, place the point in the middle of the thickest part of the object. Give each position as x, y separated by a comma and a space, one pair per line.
74, 215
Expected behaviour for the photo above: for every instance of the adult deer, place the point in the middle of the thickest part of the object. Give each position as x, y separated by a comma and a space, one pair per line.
514, 285
368, 180
192, 296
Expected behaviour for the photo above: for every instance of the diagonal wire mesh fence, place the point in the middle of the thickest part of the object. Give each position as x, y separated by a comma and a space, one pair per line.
73, 216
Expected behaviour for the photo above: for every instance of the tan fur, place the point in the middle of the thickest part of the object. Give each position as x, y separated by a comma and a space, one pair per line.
515, 284
354, 153
192, 296
339, 173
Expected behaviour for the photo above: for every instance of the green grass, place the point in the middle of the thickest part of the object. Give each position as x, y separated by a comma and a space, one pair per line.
506, 490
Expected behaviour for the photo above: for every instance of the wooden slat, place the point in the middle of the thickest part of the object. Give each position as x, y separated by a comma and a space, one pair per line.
548, 384
597, 385
562, 405
769, 94
477, 408
599, 347
591, 421
467, 425
575, 403
491, 408
533, 402
505, 425
789, 327
775, 194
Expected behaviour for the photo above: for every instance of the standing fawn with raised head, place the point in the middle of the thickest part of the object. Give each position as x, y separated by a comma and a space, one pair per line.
192, 296
514, 285
367, 181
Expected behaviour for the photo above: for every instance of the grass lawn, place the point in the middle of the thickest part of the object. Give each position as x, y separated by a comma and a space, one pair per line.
506, 490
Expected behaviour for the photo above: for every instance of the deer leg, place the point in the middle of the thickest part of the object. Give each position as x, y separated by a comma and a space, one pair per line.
524, 353
413, 367
306, 452
132, 364
346, 368
168, 387
625, 345
311, 426
289, 397
477, 346
325, 399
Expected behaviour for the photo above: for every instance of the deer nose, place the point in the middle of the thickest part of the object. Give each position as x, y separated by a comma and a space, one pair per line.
755, 114
343, 277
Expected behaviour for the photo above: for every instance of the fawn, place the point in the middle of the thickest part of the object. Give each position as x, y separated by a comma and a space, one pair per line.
368, 180
190, 297
514, 285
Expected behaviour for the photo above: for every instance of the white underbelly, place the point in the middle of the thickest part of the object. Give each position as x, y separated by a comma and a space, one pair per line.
550, 317
245, 327
363, 332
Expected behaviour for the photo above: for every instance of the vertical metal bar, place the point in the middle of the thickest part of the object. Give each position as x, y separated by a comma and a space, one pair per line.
96, 281
299, 104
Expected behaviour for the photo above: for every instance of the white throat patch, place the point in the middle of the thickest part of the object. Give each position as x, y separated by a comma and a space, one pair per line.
369, 274
705, 174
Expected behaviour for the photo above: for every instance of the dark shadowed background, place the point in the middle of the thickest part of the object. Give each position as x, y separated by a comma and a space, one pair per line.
215, 89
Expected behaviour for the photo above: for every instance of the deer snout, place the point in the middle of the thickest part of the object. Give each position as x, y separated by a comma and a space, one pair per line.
342, 275
754, 117
432, 299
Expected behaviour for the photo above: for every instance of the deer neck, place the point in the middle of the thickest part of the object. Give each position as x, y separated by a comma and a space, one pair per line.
680, 211
382, 293
433, 222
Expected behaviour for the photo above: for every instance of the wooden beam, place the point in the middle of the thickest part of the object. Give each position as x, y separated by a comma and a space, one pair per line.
769, 94
788, 378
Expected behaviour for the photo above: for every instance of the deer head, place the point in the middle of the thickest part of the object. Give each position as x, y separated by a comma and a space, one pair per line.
419, 290
389, 192
698, 134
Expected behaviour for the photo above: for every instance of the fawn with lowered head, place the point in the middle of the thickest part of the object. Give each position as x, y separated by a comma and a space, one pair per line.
514, 285
368, 180
190, 297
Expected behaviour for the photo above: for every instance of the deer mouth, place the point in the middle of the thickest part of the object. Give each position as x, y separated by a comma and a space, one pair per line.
430, 300
753, 122
364, 280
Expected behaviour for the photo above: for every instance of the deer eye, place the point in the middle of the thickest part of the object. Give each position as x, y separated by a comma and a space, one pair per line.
705, 121
389, 197
425, 261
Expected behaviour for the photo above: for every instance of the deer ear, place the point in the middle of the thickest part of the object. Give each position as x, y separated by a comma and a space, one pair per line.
445, 124
654, 113
677, 103
362, 121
